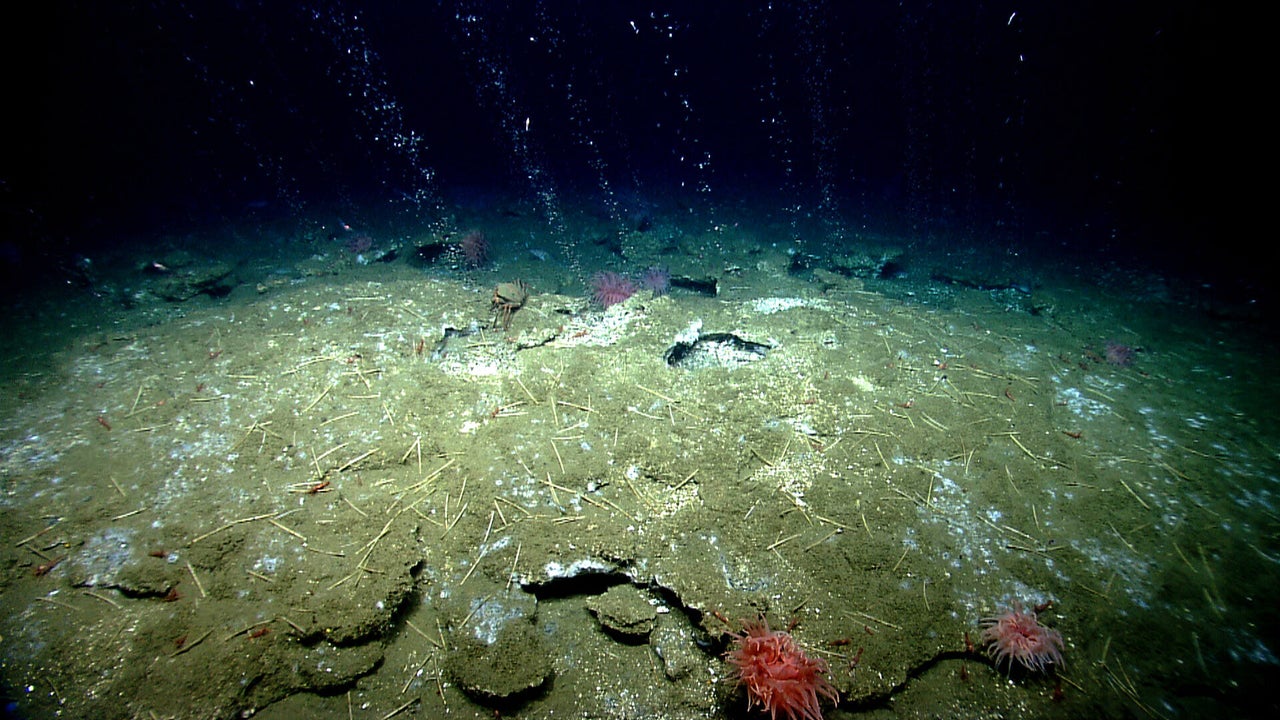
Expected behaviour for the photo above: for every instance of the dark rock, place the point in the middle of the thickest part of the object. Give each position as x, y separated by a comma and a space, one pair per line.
624, 612
497, 657
715, 350
510, 668
869, 262
211, 278
702, 286
429, 254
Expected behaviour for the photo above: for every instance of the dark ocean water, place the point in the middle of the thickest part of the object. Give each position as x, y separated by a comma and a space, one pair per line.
1081, 129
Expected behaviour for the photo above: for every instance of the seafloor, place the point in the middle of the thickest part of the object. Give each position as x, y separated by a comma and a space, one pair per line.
273, 476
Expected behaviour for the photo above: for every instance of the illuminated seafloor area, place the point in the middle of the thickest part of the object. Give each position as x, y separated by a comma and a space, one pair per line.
351, 430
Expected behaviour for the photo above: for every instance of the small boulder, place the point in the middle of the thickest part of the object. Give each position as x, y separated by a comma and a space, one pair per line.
624, 612
497, 656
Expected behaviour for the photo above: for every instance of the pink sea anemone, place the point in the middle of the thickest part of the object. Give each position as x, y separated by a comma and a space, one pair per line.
779, 676
1118, 353
1016, 635
610, 288
475, 248
656, 279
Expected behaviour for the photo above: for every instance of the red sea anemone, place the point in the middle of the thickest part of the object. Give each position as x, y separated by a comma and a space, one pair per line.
475, 248
610, 288
778, 674
1016, 634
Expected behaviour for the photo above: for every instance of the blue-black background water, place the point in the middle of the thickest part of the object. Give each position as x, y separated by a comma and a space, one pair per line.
1080, 129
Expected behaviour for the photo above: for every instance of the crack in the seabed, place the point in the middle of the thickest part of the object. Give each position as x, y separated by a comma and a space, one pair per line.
881, 699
